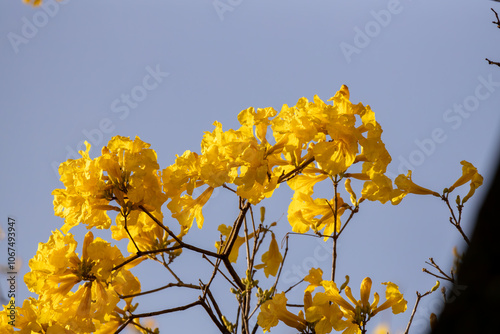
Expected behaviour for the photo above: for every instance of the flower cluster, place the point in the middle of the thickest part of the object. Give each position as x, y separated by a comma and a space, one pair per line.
329, 310
301, 145
76, 293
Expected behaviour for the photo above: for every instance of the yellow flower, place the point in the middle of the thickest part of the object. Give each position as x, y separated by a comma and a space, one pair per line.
379, 188
394, 300
272, 259
335, 157
305, 182
315, 277
126, 172
132, 169
406, 185
34, 316
325, 315
56, 269
185, 209
34, 3
319, 310
358, 312
274, 310
182, 175
85, 189
303, 212
469, 173
259, 119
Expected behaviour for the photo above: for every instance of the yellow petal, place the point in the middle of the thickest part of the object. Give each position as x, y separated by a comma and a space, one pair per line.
272, 259
350, 191
366, 286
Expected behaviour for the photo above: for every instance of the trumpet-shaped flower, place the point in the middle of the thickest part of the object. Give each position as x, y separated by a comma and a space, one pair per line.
469, 173
380, 188
185, 209
356, 312
359, 311
271, 259
406, 185
274, 310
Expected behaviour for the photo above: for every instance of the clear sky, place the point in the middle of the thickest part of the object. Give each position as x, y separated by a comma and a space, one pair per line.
75, 71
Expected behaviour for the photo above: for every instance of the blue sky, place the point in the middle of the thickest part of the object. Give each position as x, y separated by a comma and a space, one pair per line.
165, 70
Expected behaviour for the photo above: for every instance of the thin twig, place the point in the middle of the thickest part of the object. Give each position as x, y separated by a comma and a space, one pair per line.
169, 285
419, 296
293, 286
230, 282
335, 236
130, 236
211, 314
288, 176
179, 241
497, 23
151, 314
453, 220
144, 253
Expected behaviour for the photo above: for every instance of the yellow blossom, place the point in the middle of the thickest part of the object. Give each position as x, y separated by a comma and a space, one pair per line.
469, 173
271, 259
126, 172
274, 310
315, 277
406, 185
380, 188
34, 3
185, 209
303, 213
358, 312
56, 269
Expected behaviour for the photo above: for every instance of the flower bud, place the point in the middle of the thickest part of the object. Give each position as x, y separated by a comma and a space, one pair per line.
435, 287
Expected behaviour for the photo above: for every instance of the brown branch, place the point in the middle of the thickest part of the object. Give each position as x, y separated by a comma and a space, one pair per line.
419, 296
497, 22
151, 314
293, 286
230, 282
295, 171
230, 189
492, 62
216, 306
453, 219
143, 253
130, 236
169, 285
179, 241
244, 206
207, 286
444, 277
211, 314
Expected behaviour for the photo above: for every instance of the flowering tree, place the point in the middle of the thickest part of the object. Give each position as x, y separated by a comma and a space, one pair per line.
339, 143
